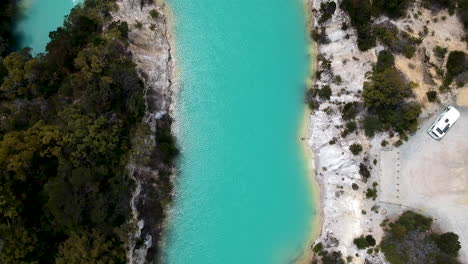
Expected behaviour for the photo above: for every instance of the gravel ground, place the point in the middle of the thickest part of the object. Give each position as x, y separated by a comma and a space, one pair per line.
432, 177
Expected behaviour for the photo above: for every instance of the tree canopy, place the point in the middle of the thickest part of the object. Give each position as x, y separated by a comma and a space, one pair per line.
409, 239
68, 118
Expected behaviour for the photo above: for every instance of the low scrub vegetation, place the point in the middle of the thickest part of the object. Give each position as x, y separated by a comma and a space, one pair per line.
456, 64
395, 40
362, 13
327, 9
355, 149
386, 95
409, 239
364, 242
326, 257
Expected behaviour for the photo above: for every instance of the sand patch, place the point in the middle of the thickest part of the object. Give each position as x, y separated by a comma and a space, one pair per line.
462, 98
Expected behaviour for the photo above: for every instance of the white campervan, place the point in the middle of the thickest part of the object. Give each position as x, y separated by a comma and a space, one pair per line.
446, 120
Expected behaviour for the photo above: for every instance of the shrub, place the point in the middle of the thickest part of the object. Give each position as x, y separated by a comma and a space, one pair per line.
360, 12
350, 128
355, 186
154, 14
318, 248
335, 257
463, 12
456, 63
387, 34
439, 4
385, 60
448, 243
372, 125
138, 24
320, 36
310, 98
431, 96
364, 171
409, 50
397, 41
349, 111
337, 80
355, 149
440, 52
371, 193
392, 8
325, 92
385, 95
327, 9
364, 242
409, 240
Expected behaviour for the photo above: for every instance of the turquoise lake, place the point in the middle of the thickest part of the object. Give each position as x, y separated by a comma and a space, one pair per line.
242, 189
41, 17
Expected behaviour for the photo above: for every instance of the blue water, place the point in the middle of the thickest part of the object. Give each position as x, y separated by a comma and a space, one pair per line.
242, 190
40, 18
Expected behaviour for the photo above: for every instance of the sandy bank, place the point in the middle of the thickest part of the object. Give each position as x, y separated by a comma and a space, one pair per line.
346, 213
304, 135
151, 42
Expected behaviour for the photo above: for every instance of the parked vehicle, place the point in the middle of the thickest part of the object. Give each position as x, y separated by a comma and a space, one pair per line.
445, 121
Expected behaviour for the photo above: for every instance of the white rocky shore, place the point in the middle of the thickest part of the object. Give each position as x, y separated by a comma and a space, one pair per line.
346, 213
150, 44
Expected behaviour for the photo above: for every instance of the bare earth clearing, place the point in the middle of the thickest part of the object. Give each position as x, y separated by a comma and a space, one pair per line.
431, 176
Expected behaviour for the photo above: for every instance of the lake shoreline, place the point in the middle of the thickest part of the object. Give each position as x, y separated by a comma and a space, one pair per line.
152, 47
307, 152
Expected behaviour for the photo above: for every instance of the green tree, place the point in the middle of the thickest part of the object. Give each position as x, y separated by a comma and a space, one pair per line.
449, 243
90, 247
355, 149
392, 8
18, 244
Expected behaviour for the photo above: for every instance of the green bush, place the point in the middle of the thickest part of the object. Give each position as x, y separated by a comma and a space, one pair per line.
372, 125
431, 96
355, 149
325, 92
439, 4
385, 60
448, 243
349, 111
327, 9
385, 96
372, 193
392, 8
350, 128
409, 240
456, 63
360, 12
320, 36
409, 50
364, 171
462, 12
154, 14
310, 98
364, 242
440, 52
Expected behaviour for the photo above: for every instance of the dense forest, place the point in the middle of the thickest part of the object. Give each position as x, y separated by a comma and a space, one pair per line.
68, 118
363, 12
9, 13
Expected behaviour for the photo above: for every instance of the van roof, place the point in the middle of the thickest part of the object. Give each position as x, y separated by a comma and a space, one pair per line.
446, 119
